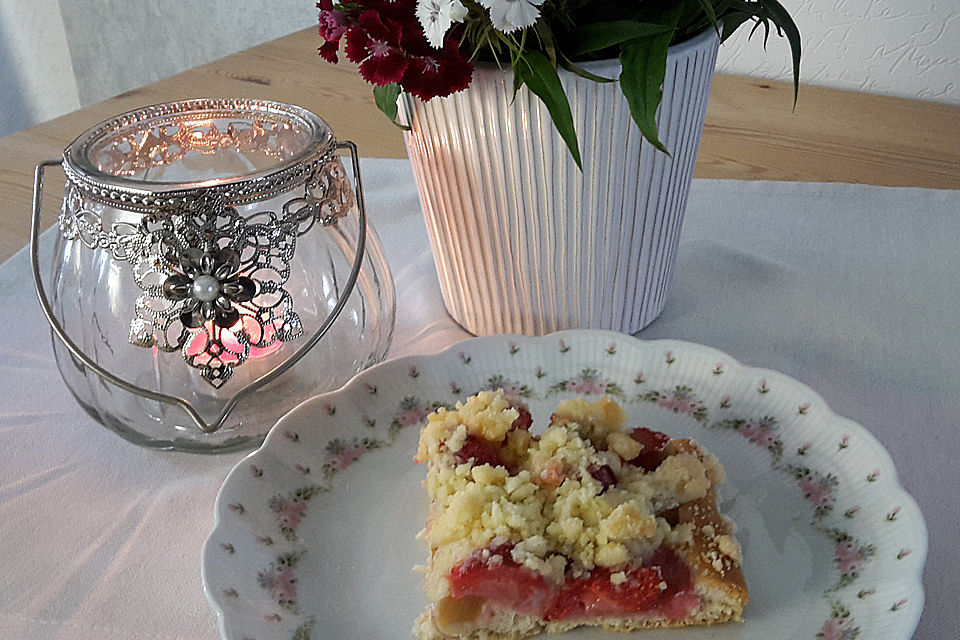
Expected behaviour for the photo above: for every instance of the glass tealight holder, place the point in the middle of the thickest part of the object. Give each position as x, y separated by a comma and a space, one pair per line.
213, 268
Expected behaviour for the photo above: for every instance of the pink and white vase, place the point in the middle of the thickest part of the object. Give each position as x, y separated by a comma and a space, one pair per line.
524, 242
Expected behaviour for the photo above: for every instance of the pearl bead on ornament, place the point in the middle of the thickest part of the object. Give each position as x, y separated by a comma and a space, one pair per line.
206, 288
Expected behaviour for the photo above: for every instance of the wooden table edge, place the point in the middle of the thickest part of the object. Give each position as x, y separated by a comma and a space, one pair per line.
752, 131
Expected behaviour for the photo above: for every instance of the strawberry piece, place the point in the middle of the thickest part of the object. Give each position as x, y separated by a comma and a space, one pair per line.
638, 593
499, 579
525, 420
506, 583
566, 604
596, 596
653, 444
604, 475
679, 598
477, 450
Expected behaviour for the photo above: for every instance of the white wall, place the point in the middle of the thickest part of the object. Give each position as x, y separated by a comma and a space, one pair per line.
36, 72
907, 48
118, 45
56, 55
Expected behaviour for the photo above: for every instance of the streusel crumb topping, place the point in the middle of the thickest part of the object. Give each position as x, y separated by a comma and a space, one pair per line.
582, 494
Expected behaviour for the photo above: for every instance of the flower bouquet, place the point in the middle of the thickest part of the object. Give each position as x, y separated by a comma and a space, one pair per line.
553, 142
426, 47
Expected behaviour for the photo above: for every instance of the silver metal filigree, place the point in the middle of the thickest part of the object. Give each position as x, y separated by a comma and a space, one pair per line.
148, 149
210, 287
242, 263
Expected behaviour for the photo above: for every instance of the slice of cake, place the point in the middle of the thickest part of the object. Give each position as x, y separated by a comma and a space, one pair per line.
586, 524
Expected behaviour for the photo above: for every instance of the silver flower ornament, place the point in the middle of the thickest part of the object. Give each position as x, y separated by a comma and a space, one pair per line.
210, 286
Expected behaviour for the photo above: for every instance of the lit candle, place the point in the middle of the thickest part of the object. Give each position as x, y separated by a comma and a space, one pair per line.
256, 333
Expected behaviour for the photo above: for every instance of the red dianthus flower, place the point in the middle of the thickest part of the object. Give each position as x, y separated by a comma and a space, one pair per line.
385, 39
333, 24
432, 73
374, 44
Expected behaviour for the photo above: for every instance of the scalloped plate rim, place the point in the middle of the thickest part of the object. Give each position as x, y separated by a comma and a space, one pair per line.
886, 463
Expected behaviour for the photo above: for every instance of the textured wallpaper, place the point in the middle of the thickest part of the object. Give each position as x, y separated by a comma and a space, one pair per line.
908, 48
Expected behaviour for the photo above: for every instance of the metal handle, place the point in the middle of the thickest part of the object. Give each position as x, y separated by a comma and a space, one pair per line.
184, 404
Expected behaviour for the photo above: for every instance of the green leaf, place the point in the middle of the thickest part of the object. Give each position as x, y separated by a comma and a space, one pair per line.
698, 15
517, 79
386, 98
546, 37
602, 35
785, 23
711, 13
576, 69
536, 72
766, 31
732, 22
644, 63
736, 12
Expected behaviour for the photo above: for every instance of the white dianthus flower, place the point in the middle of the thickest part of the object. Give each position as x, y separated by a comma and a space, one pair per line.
509, 15
436, 17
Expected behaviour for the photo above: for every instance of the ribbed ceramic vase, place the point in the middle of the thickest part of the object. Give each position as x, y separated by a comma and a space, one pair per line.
524, 242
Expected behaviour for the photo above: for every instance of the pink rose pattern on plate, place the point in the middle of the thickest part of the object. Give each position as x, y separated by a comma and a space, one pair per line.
347, 456
280, 583
412, 413
588, 383
290, 508
818, 488
680, 400
511, 388
840, 625
761, 432
849, 555
343, 453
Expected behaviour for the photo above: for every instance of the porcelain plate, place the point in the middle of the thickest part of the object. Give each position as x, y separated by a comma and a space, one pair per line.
315, 532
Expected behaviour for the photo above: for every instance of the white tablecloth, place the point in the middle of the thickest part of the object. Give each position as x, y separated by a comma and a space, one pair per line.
854, 290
